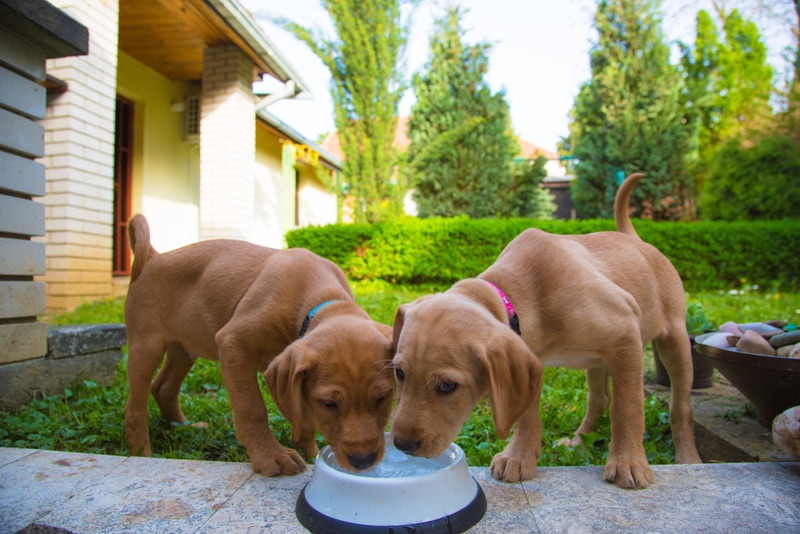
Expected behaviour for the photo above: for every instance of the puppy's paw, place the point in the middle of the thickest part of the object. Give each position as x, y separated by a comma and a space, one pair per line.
507, 467
629, 475
287, 462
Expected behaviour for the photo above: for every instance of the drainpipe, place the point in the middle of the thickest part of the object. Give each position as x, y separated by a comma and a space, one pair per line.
289, 90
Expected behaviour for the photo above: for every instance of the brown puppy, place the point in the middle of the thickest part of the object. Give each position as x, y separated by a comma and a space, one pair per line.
582, 301
246, 305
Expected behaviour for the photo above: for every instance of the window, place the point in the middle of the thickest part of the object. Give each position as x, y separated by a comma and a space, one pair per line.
123, 144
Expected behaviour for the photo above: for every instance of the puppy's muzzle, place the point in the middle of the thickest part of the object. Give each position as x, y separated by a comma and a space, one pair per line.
408, 446
362, 461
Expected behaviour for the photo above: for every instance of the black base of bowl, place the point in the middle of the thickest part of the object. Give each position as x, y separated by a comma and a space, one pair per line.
319, 523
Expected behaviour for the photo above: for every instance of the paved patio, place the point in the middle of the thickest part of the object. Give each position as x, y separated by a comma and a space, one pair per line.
60, 492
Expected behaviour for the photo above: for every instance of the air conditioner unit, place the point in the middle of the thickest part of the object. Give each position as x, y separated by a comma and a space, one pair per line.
191, 120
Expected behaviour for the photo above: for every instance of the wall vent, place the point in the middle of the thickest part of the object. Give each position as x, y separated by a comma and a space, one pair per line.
191, 120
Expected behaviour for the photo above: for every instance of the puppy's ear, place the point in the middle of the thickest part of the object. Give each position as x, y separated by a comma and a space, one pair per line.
386, 330
400, 319
515, 380
284, 377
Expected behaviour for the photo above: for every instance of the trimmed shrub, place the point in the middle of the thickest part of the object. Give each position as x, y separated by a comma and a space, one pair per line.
708, 255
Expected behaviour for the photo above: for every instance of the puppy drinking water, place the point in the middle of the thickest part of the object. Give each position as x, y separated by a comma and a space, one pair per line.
289, 312
581, 301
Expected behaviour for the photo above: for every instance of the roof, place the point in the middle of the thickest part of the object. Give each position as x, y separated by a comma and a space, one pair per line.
329, 159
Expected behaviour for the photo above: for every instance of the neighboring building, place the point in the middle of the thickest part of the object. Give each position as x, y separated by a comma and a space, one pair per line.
161, 119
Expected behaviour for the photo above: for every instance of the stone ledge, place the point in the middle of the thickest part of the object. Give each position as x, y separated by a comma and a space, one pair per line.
76, 340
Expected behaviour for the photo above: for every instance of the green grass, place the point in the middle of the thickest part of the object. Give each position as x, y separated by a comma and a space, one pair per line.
89, 417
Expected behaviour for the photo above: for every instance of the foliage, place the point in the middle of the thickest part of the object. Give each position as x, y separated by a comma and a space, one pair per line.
366, 86
628, 118
754, 181
696, 321
527, 198
461, 146
707, 255
728, 86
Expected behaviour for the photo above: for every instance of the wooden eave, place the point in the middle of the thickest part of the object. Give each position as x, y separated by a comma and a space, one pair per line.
169, 36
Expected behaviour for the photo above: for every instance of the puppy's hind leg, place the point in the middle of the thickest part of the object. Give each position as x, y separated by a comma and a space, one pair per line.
598, 397
143, 359
675, 352
167, 385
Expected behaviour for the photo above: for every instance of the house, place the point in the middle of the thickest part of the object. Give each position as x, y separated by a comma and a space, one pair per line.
160, 118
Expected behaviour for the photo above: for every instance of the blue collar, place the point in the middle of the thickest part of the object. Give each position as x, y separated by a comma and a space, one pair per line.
311, 315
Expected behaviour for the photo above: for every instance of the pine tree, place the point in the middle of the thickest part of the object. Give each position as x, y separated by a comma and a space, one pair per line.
629, 118
461, 144
366, 86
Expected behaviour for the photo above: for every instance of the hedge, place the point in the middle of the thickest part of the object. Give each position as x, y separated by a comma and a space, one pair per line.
708, 255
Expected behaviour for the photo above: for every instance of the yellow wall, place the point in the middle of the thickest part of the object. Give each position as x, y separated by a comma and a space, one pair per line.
165, 168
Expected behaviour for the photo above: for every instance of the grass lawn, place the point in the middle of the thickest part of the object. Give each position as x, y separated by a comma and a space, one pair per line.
89, 417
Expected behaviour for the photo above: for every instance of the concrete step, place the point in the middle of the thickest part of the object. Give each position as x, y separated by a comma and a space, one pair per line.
60, 492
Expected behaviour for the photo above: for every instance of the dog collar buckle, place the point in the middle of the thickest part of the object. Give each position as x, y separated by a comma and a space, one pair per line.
311, 314
513, 319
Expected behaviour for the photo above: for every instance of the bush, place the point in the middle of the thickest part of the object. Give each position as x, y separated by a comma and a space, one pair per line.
708, 255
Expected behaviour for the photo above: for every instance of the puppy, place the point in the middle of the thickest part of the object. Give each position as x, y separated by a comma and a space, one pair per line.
288, 312
581, 301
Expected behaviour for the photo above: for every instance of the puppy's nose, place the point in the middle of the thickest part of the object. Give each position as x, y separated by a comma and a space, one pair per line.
406, 445
362, 461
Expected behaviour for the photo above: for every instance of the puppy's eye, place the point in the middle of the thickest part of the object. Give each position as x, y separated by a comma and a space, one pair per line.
382, 399
331, 405
399, 374
447, 387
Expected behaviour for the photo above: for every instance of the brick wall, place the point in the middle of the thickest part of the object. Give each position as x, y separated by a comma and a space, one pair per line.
79, 157
227, 145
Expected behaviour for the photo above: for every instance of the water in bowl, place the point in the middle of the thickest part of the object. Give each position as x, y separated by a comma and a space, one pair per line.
397, 464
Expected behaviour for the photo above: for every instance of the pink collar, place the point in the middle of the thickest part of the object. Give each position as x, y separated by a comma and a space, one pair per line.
512, 313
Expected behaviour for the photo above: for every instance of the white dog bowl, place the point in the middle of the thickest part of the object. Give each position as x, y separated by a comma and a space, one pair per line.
402, 493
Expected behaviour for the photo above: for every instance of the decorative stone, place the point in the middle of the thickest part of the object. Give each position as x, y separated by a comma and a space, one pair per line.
766, 331
786, 431
785, 338
786, 350
753, 343
730, 328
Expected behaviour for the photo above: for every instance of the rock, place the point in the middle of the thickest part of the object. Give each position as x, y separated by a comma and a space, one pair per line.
753, 343
766, 331
785, 338
733, 340
786, 350
795, 351
730, 328
718, 339
786, 431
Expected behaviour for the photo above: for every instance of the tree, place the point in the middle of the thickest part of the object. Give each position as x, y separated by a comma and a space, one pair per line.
629, 118
461, 143
755, 180
728, 86
527, 198
366, 86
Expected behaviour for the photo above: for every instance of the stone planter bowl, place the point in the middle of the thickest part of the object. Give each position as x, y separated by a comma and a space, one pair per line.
771, 383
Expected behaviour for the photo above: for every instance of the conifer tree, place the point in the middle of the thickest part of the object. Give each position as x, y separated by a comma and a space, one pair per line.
629, 118
461, 142
366, 86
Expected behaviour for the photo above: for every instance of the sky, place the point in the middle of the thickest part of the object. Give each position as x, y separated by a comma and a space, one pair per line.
539, 55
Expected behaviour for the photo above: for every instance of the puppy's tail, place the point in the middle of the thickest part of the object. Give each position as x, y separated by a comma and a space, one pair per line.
139, 234
621, 216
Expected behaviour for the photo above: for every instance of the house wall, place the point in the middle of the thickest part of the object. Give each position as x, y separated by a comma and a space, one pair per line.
79, 157
268, 230
166, 170
315, 203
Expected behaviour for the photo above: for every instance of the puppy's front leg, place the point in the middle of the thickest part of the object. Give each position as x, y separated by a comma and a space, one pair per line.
251, 420
518, 460
627, 464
